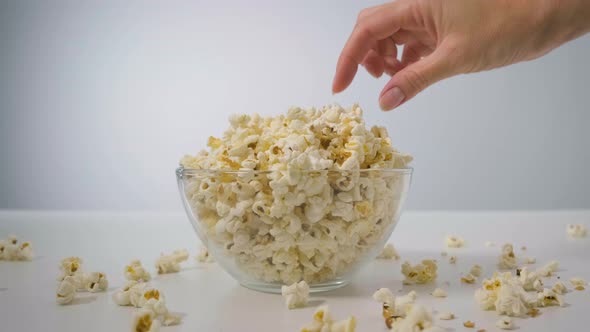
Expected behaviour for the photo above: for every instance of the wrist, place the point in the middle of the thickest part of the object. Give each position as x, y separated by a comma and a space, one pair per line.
566, 19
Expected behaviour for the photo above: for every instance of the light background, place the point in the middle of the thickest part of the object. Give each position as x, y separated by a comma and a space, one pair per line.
99, 100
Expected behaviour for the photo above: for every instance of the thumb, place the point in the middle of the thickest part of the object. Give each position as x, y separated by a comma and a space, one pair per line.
408, 82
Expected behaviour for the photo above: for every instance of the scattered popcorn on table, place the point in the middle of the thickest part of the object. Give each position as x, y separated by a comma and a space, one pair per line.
469, 324
296, 295
548, 269
323, 322
2, 249
504, 294
122, 296
468, 279
454, 241
538, 285
171, 319
25, 251
505, 323
507, 260
523, 248
529, 280
96, 282
11, 250
384, 296
421, 273
453, 259
490, 244
439, 292
345, 325
203, 256
135, 271
404, 303
142, 295
476, 270
69, 266
578, 283
533, 312
136, 293
388, 252
417, 318
576, 230
154, 301
171, 263
144, 321
559, 288
446, 315
66, 290
443, 253
304, 219
549, 298
529, 260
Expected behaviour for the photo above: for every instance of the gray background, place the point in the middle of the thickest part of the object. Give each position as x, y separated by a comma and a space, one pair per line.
99, 100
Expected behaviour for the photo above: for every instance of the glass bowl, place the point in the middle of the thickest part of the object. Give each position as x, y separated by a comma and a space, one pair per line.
274, 228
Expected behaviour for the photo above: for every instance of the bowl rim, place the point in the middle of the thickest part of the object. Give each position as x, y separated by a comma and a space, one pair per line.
193, 171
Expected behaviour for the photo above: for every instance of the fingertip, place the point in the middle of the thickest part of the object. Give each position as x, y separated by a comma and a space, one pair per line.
391, 98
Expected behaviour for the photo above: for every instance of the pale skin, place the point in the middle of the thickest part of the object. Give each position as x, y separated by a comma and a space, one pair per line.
444, 38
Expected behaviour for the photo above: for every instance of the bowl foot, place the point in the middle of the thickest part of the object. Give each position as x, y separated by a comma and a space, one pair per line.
276, 288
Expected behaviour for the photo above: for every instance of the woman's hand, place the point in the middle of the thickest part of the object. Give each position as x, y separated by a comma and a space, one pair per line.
443, 38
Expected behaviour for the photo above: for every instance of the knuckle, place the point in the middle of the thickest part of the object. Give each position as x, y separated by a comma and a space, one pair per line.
455, 55
416, 80
365, 30
362, 15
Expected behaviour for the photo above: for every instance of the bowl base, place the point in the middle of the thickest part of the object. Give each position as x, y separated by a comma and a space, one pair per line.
276, 288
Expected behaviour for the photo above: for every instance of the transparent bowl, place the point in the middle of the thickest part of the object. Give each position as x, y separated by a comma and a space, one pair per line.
272, 228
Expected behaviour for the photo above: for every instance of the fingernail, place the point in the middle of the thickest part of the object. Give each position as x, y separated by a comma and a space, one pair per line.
391, 99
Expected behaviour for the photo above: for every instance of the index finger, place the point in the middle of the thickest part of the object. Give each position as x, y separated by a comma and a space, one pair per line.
379, 24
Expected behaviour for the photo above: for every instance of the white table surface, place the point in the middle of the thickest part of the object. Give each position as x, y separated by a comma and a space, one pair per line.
210, 300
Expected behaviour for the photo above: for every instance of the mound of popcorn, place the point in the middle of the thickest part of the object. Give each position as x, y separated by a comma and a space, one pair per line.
300, 203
